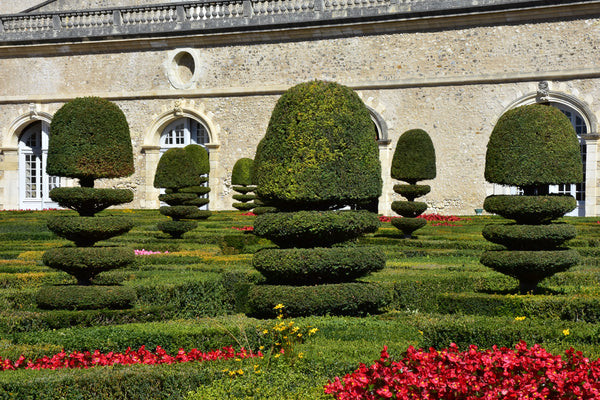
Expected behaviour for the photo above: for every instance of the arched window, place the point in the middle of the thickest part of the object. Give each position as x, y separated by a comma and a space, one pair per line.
182, 132
576, 190
34, 183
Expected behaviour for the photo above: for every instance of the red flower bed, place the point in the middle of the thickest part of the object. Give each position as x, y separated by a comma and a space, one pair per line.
445, 220
142, 356
243, 228
249, 213
523, 373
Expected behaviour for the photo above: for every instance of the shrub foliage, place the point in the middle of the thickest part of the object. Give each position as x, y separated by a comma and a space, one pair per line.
413, 161
241, 179
319, 154
90, 140
182, 173
532, 147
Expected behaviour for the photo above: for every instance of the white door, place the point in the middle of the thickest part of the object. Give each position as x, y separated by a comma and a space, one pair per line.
34, 183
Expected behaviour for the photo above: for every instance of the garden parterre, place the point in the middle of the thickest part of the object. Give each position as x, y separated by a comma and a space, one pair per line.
190, 291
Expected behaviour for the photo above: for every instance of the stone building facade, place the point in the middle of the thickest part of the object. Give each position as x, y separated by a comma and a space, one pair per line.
211, 71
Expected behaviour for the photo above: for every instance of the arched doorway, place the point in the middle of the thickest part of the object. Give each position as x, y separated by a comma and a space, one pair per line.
584, 122
576, 190
182, 132
34, 183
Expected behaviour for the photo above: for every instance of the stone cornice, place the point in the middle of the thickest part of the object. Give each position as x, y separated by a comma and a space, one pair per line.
214, 20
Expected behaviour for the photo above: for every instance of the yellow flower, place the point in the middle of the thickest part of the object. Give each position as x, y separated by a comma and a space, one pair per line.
300, 355
520, 318
240, 371
277, 355
566, 332
312, 331
421, 332
278, 306
261, 347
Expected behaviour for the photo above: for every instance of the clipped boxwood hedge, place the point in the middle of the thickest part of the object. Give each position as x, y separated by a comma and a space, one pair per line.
529, 237
317, 265
84, 263
411, 192
176, 199
78, 297
179, 212
530, 209
90, 140
414, 157
409, 209
530, 266
89, 201
176, 228
85, 231
352, 299
314, 228
533, 145
318, 151
408, 225
584, 308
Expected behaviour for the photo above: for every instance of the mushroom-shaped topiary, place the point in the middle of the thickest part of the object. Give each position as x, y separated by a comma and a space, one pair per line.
182, 173
318, 155
90, 140
531, 147
241, 179
413, 161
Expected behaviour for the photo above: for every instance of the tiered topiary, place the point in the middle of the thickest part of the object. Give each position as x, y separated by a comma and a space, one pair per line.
413, 161
241, 179
531, 147
318, 155
182, 173
90, 140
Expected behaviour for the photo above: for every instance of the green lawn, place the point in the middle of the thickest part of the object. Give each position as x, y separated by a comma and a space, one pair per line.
191, 296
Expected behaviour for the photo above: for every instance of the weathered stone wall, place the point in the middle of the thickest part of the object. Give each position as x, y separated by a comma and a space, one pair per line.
454, 83
15, 6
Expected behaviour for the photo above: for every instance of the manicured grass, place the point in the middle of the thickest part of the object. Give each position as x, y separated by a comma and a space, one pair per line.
191, 295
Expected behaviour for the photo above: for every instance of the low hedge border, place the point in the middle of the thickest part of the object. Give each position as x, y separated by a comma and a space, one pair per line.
352, 299
93, 297
314, 228
317, 265
530, 209
568, 308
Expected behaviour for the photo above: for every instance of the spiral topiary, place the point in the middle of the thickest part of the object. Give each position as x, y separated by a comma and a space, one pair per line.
241, 179
318, 155
413, 161
182, 173
531, 147
90, 140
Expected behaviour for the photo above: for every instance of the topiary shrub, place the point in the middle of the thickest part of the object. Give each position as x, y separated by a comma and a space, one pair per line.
182, 173
90, 140
318, 155
532, 146
413, 161
241, 179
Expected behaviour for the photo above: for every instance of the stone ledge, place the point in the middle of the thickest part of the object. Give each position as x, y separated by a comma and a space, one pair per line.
223, 16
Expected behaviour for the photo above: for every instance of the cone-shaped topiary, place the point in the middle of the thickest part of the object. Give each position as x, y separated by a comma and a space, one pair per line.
241, 180
532, 146
318, 154
413, 161
90, 140
182, 172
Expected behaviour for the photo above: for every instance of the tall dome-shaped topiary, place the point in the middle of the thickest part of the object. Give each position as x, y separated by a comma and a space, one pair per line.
531, 147
317, 156
241, 180
413, 161
90, 140
182, 173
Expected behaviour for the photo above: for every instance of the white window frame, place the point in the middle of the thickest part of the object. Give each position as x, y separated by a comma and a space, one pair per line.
34, 183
